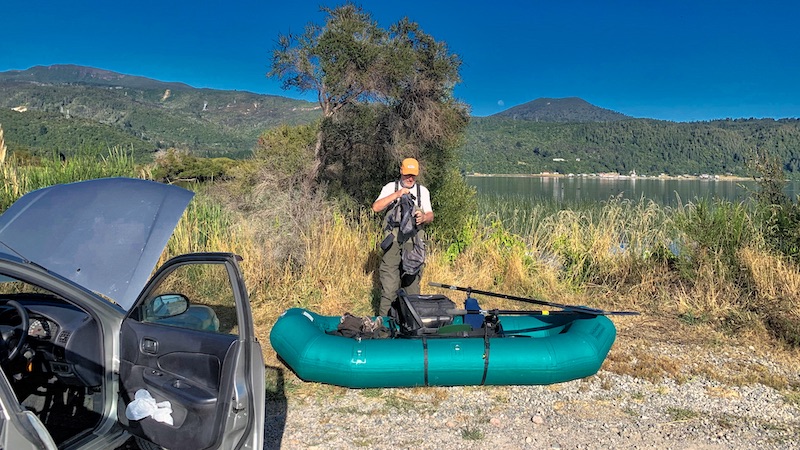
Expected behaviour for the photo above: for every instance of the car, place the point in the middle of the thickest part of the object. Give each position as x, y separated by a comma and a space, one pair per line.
89, 331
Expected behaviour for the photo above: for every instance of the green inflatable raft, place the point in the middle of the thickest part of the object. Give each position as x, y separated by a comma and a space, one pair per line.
433, 344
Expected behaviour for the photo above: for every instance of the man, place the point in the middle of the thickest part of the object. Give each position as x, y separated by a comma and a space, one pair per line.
402, 200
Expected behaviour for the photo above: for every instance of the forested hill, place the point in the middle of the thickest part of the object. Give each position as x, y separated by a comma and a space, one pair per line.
65, 108
651, 147
570, 109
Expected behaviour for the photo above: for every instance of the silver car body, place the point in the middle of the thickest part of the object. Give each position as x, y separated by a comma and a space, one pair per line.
89, 249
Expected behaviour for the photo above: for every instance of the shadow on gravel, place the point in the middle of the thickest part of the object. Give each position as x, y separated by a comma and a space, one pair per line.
275, 408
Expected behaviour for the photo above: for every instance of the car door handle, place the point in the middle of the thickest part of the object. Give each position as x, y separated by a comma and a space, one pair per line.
149, 345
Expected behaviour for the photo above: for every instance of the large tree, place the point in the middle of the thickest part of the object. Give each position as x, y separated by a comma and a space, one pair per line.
385, 94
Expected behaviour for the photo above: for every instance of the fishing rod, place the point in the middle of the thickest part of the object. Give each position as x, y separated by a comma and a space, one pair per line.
572, 308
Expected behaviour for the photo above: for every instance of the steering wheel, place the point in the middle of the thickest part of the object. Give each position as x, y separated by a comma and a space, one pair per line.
12, 337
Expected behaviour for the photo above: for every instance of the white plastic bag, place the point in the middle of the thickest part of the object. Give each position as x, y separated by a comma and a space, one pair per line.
144, 405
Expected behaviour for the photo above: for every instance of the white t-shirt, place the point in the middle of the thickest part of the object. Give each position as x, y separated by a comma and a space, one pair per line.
425, 195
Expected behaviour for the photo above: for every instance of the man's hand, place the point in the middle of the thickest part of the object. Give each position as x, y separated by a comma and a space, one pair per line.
423, 217
382, 203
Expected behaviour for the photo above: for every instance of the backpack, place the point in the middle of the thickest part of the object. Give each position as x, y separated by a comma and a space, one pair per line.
361, 327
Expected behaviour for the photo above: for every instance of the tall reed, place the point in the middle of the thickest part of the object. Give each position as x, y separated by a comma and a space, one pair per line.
19, 179
3, 148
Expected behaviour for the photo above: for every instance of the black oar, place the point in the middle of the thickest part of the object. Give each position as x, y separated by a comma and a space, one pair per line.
573, 308
509, 312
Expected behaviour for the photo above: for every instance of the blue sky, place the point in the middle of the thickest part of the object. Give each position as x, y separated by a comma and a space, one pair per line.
672, 59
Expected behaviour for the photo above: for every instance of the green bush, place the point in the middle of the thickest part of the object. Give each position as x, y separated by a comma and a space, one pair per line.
286, 151
22, 173
778, 215
454, 203
715, 229
181, 165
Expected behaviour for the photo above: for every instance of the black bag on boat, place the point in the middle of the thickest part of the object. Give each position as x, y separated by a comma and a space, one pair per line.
423, 314
361, 327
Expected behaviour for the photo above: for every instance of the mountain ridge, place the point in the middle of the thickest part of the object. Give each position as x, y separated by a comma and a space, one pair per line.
72, 73
567, 109
561, 110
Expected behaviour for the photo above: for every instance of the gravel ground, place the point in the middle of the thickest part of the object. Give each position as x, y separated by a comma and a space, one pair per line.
604, 411
601, 412
688, 408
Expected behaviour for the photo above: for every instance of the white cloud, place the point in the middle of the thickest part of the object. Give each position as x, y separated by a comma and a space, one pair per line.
501, 103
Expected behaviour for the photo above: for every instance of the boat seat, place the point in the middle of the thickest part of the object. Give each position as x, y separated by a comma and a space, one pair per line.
473, 316
423, 314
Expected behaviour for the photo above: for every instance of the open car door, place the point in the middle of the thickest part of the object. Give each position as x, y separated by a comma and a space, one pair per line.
189, 340
20, 429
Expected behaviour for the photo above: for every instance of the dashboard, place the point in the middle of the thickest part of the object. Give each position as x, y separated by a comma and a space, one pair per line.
62, 340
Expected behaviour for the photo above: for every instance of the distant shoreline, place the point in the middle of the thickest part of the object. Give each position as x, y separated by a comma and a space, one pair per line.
616, 176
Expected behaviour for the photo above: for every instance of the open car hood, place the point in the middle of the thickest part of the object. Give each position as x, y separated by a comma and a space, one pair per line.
105, 235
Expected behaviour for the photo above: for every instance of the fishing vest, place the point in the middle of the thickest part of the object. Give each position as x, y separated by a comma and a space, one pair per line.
394, 217
400, 227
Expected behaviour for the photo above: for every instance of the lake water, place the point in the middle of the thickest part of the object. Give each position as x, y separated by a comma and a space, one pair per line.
667, 192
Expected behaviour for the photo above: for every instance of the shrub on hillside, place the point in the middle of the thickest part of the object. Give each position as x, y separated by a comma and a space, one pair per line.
175, 165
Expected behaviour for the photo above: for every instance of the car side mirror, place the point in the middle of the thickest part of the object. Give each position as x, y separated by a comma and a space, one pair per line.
164, 306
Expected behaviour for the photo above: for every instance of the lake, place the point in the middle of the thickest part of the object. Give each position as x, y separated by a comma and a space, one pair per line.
667, 192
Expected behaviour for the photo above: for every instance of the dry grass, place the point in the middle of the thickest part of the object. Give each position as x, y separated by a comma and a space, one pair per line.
298, 250
686, 322
776, 284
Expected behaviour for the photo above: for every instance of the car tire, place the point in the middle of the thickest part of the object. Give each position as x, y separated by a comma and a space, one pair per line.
144, 444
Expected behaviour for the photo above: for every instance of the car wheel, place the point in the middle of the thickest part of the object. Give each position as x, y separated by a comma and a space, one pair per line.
144, 444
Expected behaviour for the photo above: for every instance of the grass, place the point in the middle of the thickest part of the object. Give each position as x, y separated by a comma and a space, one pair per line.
471, 433
371, 393
792, 397
681, 414
3, 148
471, 430
19, 178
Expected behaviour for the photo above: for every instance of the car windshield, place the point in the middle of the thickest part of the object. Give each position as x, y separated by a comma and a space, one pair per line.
10, 285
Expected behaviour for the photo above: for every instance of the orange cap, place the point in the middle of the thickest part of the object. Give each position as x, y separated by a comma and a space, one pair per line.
410, 166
